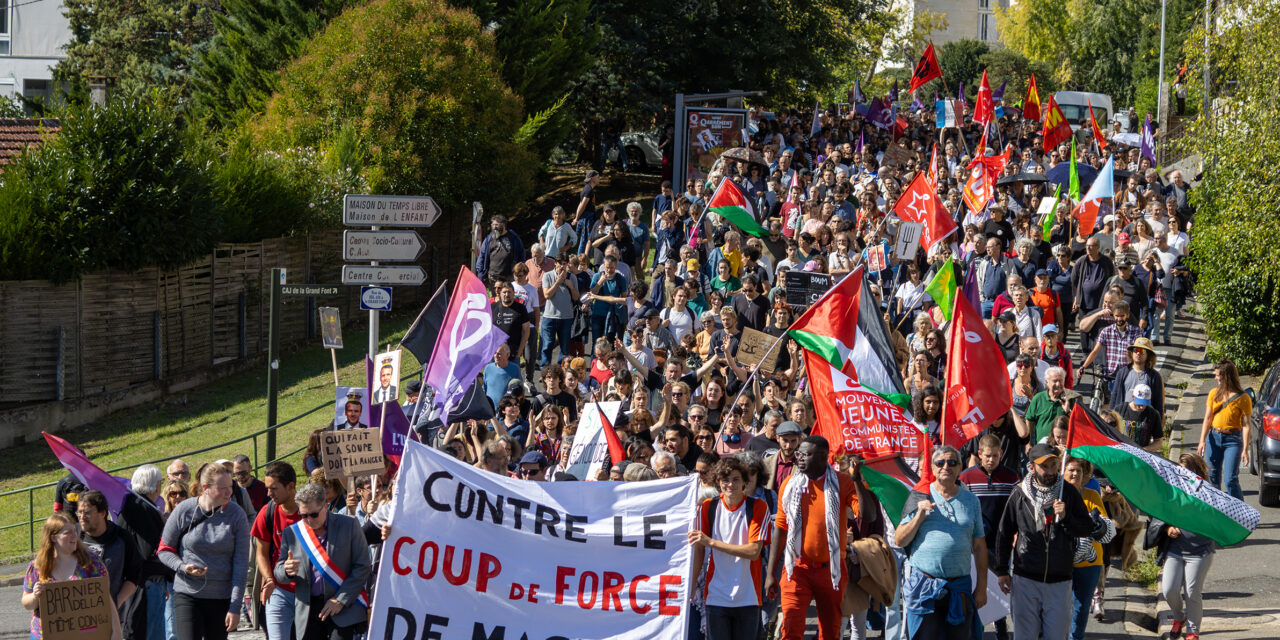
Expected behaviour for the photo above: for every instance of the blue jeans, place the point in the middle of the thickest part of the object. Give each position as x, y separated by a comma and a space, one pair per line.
1169, 314
1223, 453
159, 610
730, 623
555, 333
987, 306
1083, 581
280, 615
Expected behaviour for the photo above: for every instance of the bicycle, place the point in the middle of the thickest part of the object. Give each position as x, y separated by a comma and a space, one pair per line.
1101, 382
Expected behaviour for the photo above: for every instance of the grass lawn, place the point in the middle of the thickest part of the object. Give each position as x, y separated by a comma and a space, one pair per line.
220, 411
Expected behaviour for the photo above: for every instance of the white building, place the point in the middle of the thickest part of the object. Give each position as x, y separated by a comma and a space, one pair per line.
972, 19
32, 34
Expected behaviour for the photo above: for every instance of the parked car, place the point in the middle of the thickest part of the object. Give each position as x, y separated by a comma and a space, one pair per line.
642, 151
1264, 450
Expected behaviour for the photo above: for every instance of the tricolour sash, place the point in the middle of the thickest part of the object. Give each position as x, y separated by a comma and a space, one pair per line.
321, 561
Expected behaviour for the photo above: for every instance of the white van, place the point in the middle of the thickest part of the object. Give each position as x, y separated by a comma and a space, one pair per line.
1075, 105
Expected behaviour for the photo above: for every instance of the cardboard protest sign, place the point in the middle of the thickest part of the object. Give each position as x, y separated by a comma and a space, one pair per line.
908, 242
351, 452
897, 156
804, 288
876, 260
473, 554
76, 609
752, 347
387, 372
590, 449
330, 328
350, 408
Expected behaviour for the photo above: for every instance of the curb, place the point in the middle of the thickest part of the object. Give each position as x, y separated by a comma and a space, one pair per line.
13, 580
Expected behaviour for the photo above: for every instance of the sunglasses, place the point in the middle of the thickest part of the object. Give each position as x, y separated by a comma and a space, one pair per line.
946, 462
1024, 365
177, 494
528, 472
308, 516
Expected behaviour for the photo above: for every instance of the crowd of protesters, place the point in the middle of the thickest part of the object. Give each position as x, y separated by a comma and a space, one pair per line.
645, 303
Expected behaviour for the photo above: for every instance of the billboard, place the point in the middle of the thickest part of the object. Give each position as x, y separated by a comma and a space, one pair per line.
709, 132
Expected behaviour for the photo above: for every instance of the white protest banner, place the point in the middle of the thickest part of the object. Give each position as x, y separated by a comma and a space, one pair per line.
473, 554
590, 448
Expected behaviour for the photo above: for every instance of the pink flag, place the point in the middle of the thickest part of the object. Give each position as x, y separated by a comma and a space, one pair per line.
88, 473
467, 342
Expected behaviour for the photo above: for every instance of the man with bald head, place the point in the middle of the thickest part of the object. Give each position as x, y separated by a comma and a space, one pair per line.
178, 470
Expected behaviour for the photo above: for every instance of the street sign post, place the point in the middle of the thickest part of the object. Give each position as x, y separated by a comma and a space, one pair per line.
411, 276
389, 211
389, 246
276, 294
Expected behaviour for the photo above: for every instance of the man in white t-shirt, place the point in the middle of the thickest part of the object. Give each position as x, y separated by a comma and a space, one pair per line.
732, 528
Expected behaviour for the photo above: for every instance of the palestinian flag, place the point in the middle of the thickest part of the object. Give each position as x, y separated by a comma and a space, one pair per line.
1158, 486
891, 479
733, 205
844, 328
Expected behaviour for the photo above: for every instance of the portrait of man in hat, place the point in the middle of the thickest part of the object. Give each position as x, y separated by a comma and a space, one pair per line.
388, 374
350, 411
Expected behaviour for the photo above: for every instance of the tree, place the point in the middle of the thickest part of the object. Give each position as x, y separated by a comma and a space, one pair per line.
1235, 249
1036, 29
416, 86
1008, 65
961, 62
136, 44
1104, 47
236, 75
120, 187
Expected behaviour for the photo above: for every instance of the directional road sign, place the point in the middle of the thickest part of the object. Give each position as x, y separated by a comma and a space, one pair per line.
311, 289
390, 246
383, 275
389, 211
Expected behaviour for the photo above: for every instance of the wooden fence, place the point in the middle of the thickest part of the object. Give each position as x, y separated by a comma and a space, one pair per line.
109, 331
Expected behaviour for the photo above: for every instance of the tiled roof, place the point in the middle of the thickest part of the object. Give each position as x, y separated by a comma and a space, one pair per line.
16, 134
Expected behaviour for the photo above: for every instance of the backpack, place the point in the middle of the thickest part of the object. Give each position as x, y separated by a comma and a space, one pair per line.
747, 501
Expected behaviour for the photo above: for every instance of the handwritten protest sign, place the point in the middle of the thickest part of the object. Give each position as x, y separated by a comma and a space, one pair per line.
590, 448
76, 610
804, 288
752, 347
897, 156
472, 554
351, 452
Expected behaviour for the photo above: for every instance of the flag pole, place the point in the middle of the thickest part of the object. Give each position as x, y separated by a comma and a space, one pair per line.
946, 391
1063, 471
334, 354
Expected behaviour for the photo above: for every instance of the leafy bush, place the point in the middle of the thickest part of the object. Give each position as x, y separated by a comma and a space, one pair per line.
119, 188
259, 195
419, 85
1235, 243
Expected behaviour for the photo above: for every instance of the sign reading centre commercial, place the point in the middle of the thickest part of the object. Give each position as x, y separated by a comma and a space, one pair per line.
389, 211
472, 554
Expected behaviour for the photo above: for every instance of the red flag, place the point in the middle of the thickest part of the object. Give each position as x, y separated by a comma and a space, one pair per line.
984, 107
920, 204
932, 174
977, 389
1031, 103
1097, 133
926, 467
1056, 128
981, 185
899, 128
616, 452
926, 70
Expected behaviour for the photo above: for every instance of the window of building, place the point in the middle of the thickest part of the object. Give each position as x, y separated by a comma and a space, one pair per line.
35, 90
5, 10
984, 27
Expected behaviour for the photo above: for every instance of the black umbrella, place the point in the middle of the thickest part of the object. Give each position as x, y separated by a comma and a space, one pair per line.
1060, 174
745, 155
1122, 174
1023, 177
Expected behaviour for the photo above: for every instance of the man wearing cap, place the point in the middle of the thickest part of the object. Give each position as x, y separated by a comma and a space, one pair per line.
1133, 288
1046, 515
533, 466
1142, 423
412, 389
1113, 341
657, 336
779, 464
1048, 301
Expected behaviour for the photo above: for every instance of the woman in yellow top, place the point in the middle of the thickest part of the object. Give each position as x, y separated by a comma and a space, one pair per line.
1226, 429
1084, 579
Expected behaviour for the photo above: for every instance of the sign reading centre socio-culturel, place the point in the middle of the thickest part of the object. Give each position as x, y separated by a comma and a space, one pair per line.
476, 555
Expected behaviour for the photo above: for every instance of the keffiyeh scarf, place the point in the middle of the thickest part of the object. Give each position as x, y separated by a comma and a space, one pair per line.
797, 486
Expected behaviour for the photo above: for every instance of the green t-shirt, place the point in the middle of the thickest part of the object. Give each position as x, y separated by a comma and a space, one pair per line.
725, 286
1041, 413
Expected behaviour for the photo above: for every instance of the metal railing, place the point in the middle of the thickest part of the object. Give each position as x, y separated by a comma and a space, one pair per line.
31, 519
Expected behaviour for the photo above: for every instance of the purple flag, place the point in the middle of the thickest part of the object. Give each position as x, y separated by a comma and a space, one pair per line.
960, 95
893, 93
998, 94
916, 105
971, 287
88, 473
881, 114
862, 140
467, 342
1149, 141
